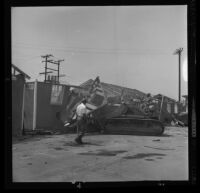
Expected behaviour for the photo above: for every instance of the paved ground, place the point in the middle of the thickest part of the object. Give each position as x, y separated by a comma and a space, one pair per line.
56, 158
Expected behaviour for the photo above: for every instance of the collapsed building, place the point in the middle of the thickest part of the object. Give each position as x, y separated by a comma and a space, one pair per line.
166, 107
47, 105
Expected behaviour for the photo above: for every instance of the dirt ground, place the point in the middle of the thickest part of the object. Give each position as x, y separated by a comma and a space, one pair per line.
56, 158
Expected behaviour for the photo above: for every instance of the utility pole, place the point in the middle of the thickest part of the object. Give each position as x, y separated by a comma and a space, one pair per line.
58, 67
46, 60
52, 69
58, 62
178, 51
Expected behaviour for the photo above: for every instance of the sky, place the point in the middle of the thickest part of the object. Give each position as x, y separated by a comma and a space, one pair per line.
129, 46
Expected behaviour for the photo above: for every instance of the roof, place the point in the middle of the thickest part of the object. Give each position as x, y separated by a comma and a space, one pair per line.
20, 71
87, 84
112, 90
67, 85
118, 90
168, 98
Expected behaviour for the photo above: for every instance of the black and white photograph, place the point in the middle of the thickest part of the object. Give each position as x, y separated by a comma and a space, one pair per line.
99, 93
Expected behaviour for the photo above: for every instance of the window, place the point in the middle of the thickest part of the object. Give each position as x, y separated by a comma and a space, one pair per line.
57, 93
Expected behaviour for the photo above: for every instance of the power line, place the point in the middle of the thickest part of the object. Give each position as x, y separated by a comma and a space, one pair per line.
25, 59
95, 50
79, 48
23, 55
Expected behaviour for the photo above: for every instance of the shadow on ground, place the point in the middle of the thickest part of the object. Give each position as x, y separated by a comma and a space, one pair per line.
143, 155
74, 144
104, 152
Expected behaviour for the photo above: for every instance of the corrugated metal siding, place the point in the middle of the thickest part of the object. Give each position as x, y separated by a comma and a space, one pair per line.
28, 106
17, 101
46, 112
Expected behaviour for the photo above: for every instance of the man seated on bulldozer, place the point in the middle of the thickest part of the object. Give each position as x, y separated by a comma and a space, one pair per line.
150, 106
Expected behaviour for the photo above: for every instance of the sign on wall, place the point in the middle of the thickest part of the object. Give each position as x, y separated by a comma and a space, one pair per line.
57, 94
176, 108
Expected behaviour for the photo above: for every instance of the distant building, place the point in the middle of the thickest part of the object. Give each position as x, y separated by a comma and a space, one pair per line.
171, 105
16, 71
185, 103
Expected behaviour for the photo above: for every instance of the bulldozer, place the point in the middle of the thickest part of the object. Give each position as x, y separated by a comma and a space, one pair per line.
120, 117
126, 119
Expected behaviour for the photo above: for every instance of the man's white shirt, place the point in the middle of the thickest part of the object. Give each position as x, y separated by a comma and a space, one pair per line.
81, 110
